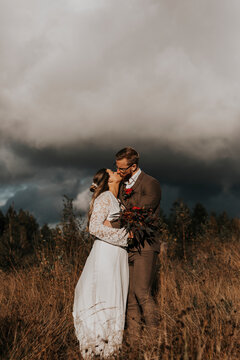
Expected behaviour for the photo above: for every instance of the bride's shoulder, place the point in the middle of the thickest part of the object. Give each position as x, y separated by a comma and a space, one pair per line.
106, 195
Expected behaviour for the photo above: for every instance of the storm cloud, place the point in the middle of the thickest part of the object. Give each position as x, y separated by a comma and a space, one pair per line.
81, 79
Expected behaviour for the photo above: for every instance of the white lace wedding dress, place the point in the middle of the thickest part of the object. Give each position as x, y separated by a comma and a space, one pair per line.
101, 292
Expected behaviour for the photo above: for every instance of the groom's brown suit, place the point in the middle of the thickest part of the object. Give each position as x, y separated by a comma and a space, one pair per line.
146, 193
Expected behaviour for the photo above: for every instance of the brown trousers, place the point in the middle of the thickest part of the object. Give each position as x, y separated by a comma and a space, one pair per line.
142, 268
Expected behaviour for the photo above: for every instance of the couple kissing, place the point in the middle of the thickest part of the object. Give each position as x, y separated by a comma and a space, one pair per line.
116, 281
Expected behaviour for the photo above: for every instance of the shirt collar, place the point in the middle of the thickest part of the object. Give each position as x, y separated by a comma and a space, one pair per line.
133, 179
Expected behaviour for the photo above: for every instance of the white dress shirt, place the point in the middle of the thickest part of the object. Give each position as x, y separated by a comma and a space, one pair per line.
132, 179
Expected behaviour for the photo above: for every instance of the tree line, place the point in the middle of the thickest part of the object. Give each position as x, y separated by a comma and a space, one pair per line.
24, 243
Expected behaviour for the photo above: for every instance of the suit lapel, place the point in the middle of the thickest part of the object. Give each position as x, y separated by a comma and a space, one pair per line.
134, 187
138, 181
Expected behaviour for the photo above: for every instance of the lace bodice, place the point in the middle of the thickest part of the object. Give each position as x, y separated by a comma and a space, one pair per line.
104, 207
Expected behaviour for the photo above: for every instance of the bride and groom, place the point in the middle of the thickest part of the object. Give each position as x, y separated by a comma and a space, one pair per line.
116, 279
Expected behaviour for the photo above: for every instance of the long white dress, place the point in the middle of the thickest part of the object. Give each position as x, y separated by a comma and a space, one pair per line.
101, 292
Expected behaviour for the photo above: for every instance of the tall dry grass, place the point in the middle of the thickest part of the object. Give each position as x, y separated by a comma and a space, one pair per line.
199, 305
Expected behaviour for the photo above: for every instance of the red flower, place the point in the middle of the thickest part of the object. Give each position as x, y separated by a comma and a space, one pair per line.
136, 208
128, 191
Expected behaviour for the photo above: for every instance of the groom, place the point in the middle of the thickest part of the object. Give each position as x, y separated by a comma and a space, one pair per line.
144, 191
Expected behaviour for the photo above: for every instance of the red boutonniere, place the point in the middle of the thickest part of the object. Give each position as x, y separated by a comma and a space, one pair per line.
128, 193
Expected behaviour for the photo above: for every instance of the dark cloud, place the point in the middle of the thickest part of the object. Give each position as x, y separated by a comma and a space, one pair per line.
44, 197
69, 169
4, 173
171, 165
45, 206
82, 155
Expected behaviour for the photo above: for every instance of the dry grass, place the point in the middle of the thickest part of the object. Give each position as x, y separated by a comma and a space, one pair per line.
198, 307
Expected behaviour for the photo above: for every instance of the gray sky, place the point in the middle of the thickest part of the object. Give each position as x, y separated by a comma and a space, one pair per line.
81, 79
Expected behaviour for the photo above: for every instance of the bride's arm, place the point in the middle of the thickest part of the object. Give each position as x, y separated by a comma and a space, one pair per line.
97, 228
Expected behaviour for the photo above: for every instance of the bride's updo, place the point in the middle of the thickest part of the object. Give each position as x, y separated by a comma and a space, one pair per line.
99, 185
100, 182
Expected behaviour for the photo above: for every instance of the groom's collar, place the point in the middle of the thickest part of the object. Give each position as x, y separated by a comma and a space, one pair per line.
133, 179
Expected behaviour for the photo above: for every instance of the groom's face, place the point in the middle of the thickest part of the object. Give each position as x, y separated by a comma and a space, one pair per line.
124, 169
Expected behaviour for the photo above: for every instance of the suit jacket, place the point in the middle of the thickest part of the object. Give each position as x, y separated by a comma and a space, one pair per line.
147, 193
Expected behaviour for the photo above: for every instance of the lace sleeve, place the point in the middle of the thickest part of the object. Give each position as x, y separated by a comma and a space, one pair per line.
100, 212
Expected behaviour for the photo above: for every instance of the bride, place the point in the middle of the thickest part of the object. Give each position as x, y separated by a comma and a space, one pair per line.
101, 292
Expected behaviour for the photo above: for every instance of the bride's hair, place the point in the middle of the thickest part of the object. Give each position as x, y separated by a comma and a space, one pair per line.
99, 185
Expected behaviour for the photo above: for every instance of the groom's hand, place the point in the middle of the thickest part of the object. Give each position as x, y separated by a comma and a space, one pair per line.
115, 224
130, 235
107, 223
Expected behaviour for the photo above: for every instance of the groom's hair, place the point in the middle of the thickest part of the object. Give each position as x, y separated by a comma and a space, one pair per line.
128, 153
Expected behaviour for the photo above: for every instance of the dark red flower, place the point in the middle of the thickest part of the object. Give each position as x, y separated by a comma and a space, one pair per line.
128, 191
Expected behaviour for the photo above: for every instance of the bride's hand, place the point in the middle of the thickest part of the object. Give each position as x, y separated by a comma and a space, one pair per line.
107, 223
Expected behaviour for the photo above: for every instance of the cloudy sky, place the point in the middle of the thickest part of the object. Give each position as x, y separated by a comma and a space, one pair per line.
80, 79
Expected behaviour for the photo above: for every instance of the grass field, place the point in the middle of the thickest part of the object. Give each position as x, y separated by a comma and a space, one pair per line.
199, 304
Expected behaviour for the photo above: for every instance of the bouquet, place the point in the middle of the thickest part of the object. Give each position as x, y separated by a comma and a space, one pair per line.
141, 224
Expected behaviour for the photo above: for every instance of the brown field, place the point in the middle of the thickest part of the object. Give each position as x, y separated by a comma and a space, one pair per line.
199, 303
